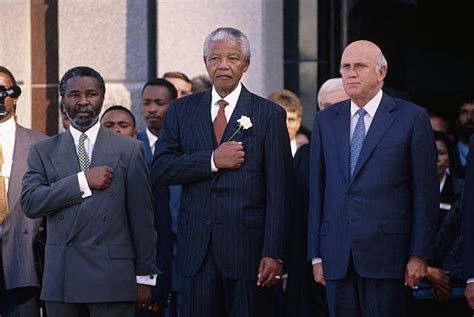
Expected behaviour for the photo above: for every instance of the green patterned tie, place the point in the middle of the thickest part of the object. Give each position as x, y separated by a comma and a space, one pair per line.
84, 161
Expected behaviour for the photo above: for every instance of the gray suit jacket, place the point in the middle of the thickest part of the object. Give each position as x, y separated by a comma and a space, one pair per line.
19, 231
97, 245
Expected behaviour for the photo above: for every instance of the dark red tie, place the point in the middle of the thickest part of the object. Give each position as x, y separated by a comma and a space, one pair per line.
220, 122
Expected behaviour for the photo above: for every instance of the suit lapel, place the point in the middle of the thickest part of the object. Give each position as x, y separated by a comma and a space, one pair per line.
382, 121
243, 108
103, 154
202, 115
65, 160
342, 132
20, 153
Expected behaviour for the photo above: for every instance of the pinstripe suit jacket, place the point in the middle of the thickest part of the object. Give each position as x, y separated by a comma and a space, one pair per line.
240, 213
388, 210
18, 230
95, 245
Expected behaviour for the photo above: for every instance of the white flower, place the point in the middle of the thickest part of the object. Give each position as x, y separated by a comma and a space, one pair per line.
244, 122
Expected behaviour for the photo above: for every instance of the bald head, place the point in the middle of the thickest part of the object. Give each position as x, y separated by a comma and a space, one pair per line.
363, 69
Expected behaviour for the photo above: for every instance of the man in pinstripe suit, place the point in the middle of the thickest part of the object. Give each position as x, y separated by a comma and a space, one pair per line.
232, 221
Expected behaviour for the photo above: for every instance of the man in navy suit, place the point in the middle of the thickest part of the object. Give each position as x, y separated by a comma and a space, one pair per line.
468, 213
157, 93
374, 192
234, 205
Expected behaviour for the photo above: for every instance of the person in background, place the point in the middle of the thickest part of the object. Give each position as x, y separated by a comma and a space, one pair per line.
465, 128
232, 236
181, 82
439, 123
93, 186
294, 111
468, 222
304, 297
441, 292
119, 119
19, 280
201, 83
331, 91
374, 191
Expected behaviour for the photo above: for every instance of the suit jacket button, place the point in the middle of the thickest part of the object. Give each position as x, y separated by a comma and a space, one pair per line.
69, 244
25, 231
104, 218
208, 222
109, 194
213, 195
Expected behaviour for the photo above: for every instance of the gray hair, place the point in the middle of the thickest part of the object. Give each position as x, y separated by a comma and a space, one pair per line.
381, 62
230, 34
330, 85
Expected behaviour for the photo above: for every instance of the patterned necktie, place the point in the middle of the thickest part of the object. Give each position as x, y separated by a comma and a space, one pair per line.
84, 161
3, 190
357, 140
220, 122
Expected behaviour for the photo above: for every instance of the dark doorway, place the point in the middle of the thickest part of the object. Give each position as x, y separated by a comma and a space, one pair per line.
426, 44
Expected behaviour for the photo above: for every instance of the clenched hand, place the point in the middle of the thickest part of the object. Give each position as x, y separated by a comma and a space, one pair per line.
99, 177
229, 155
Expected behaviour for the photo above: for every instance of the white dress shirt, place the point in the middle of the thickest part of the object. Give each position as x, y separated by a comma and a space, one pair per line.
151, 140
89, 144
231, 100
371, 108
7, 139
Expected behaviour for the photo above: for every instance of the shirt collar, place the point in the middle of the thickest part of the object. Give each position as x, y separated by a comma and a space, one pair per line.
91, 133
441, 184
371, 107
151, 138
8, 127
231, 98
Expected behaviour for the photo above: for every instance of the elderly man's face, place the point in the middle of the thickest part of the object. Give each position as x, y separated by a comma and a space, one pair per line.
83, 101
225, 65
331, 97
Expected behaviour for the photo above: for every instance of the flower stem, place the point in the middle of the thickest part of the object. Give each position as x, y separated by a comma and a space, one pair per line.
236, 131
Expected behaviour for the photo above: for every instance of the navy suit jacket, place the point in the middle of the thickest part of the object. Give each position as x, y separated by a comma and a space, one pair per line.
388, 210
241, 213
164, 235
468, 213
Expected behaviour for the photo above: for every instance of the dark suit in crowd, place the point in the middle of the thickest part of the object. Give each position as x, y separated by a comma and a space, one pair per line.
162, 223
19, 282
304, 297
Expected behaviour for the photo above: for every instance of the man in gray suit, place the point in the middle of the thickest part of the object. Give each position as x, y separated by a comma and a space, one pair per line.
19, 285
93, 186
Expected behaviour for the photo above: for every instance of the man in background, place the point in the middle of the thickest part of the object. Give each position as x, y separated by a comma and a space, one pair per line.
157, 93
294, 111
181, 82
331, 91
305, 298
465, 128
119, 119
19, 281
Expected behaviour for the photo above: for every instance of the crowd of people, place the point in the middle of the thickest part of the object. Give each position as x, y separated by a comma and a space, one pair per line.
222, 206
